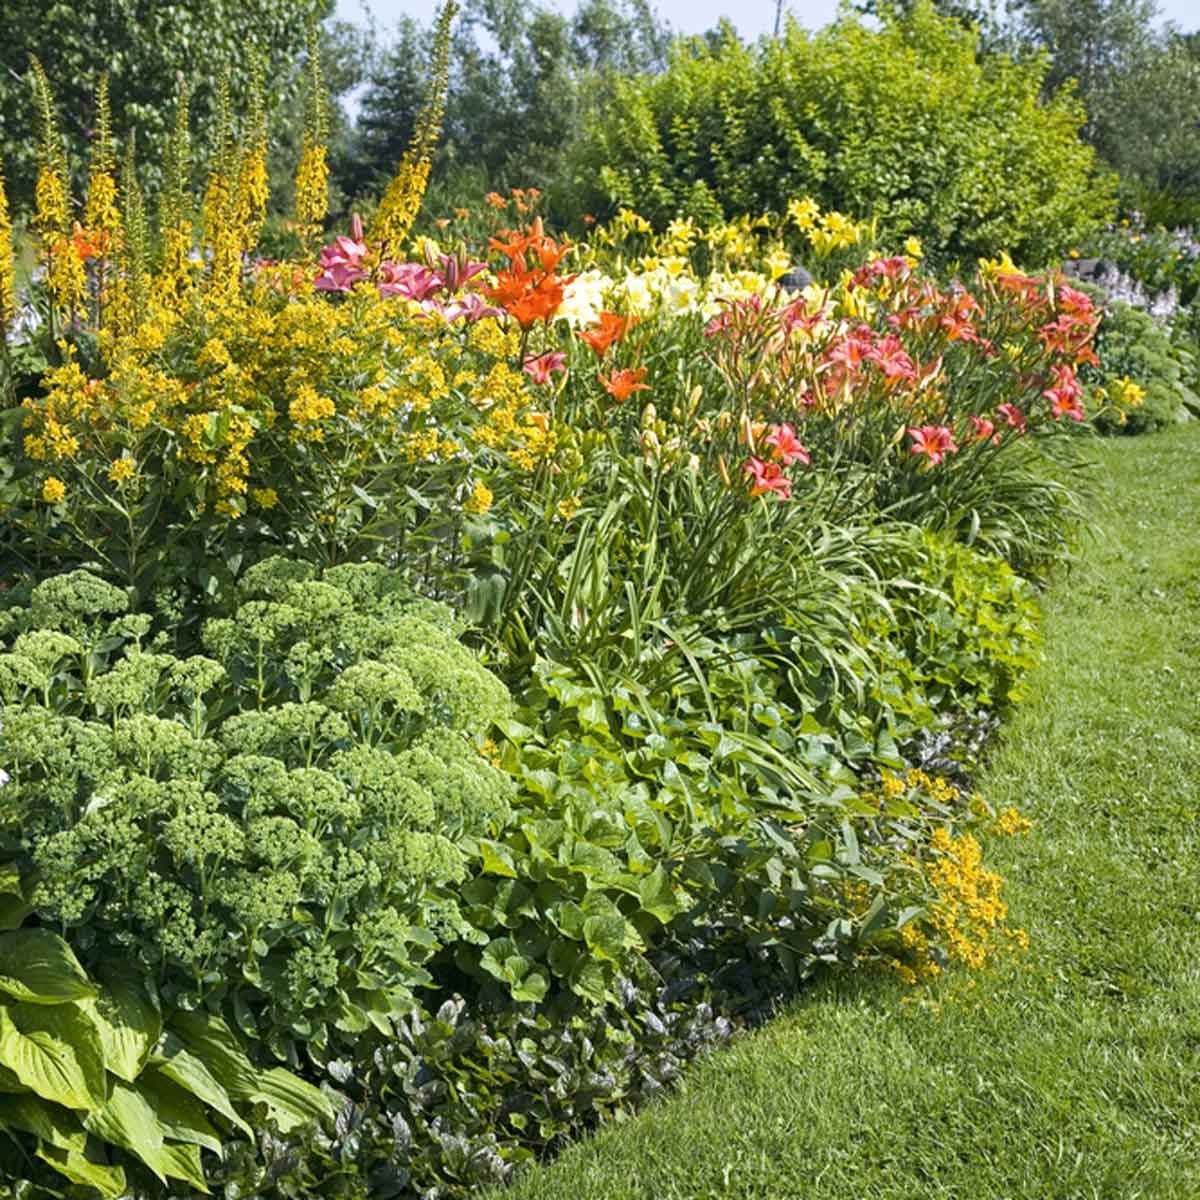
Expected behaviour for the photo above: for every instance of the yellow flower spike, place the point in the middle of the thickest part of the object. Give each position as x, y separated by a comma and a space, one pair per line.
402, 200
8, 274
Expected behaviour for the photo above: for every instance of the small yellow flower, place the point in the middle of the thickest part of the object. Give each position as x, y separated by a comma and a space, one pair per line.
913, 248
480, 499
54, 491
568, 507
122, 470
265, 497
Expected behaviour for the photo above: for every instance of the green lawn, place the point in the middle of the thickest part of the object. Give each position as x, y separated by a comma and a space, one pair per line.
1074, 1073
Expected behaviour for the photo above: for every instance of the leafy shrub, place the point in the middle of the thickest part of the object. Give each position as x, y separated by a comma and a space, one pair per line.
906, 124
1145, 375
279, 828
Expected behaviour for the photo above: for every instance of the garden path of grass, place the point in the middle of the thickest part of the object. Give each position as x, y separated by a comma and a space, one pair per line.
1072, 1074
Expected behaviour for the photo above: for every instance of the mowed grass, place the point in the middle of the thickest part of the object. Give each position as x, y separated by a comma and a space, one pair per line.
1074, 1073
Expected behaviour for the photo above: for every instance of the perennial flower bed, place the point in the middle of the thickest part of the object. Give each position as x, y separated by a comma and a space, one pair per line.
447, 685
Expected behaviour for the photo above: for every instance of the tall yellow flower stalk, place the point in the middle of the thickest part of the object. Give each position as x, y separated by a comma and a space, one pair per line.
253, 187
312, 173
101, 216
219, 211
402, 201
175, 210
8, 269
131, 286
65, 274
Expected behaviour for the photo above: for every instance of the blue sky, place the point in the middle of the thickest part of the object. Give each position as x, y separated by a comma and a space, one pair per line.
751, 17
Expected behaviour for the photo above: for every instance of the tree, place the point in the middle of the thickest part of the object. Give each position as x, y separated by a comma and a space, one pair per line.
523, 78
146, 49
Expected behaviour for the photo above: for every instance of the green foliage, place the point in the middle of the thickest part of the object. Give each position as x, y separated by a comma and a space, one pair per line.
959, 633
98, 1080
903, 124
1132, 345
278, 826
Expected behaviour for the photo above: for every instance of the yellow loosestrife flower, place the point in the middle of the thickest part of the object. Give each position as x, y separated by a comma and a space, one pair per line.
54, 491
8, 274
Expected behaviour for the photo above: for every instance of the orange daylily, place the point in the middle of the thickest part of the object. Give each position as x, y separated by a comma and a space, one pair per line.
612, 328
622, 384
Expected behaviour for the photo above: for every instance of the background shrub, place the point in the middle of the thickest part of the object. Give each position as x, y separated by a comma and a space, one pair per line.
906, 124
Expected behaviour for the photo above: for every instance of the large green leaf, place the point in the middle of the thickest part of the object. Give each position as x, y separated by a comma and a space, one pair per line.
291, 1101
128, 1023
39, 967
55, 1052
129, 1120
50, 1123
78, 1168
182, 1067
181, 1115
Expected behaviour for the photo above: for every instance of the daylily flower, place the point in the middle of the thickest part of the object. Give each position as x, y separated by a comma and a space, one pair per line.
934, 441
612, 329
786, 447
541, 367
1066, 396
983, 427
620, 385
767, 477
1013, 415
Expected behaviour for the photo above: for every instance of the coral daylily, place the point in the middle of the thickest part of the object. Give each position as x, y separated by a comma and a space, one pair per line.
983, 428
767, 477
620, 385
786, 447
934, 441
541, 367
1066, 394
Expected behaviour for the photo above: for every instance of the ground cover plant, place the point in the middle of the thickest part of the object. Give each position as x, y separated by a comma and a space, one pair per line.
460, 682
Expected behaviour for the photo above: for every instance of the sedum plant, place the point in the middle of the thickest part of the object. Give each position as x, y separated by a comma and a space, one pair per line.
276, 828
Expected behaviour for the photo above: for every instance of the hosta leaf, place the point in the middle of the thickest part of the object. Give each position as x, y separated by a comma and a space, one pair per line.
292, 1101
130, 1121
128, 1023
185, 1069
181, 1115
126, 1119
48, 1122
55, 1052
39, 967
13, 910
108, 1181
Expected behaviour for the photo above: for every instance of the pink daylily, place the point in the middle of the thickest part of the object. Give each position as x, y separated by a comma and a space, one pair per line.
934, 441
1066, 396
786, 446
540, 368
984, 428
767, 477
1013, 416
